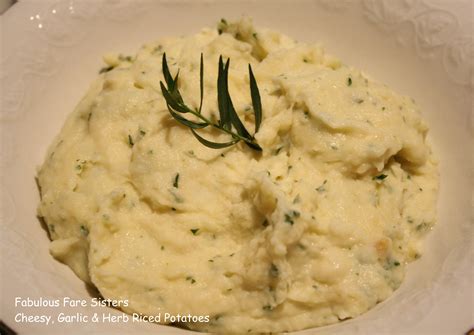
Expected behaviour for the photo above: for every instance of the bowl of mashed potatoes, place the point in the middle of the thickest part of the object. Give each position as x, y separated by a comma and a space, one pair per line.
232, 179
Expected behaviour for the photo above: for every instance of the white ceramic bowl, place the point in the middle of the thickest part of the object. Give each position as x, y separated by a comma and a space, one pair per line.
51, 51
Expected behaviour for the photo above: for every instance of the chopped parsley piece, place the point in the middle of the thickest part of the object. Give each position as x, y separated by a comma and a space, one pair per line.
176, 181
194, 231
380, 177
191, 279
125, 58
267, 308
349, 81
291, 216
106, 69
277, 151
130, 140
422, 226
84, 230
321, 188
220, 27
265, 223
273, 270
297, 199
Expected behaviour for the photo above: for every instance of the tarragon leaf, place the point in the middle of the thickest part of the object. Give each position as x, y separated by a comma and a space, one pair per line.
177, 106
222, 91
256, 102
166, 72
213, 145
186, 122
201, 83
229, 118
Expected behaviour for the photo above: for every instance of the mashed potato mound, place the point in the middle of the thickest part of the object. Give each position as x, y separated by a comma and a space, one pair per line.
315, 229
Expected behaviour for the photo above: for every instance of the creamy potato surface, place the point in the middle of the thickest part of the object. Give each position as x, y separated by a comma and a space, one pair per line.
316, 228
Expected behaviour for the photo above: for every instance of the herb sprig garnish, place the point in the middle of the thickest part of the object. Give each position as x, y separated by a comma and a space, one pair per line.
229, 122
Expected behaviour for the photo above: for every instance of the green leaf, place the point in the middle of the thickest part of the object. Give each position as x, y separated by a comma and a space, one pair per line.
171, 101
213, 145
166, 72
175, 91
176, 181
254, 146
222, 92
229, 118
234, 118
256, 102
186, 122
201, 82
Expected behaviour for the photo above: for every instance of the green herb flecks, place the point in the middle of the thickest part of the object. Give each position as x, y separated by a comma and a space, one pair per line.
273, 270
176, 181
194, 231
380, 177
291, 216
297, 199
229, 122
423, 226
191, 279
267, 308
390, 264
124, 58
322, 188
221, 26
106, 69
84, 230
130, 141
349, 81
